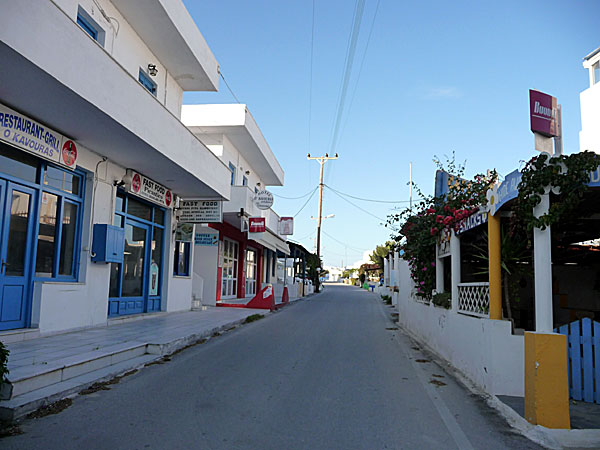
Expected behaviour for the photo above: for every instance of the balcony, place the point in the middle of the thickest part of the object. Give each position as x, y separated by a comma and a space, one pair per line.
241, 197
57, 75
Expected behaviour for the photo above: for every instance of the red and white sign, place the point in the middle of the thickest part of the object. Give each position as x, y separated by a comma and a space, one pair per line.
257, 225
543, 113
144, 187
286, 226
69, 153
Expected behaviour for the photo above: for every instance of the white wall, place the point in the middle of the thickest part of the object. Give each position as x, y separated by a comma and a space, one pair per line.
482, 349
60, 306
589, 136
128, 49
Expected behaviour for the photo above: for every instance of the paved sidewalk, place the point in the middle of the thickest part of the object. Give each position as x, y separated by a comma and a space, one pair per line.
46, 369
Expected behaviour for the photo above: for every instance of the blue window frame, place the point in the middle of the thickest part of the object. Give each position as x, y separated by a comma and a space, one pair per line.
87, 26
245, 181
232, 168
58, 208
181, 262
147, 82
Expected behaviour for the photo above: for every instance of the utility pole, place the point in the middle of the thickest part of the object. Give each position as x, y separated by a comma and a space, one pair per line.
322, 160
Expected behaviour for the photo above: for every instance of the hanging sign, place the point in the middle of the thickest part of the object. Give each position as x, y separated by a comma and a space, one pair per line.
144, 187
26, 134
257, 225
184, 232
286, 226
207, 238
200, 211
543, 113
263, 199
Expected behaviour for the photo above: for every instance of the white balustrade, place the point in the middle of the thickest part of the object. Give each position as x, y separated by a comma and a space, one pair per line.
474, 299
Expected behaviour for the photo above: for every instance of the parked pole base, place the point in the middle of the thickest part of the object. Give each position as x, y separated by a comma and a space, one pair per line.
546, 380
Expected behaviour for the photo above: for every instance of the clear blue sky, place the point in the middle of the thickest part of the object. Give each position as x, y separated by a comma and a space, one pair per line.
438, 76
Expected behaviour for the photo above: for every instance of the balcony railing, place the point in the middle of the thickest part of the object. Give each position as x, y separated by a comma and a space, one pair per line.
474, 299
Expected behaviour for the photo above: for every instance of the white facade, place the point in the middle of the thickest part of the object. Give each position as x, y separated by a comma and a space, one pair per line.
233, 136
87, 87
589, 136
484, 350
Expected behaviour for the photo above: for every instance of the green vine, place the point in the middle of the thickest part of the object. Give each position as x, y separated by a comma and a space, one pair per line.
569, 175
432, 218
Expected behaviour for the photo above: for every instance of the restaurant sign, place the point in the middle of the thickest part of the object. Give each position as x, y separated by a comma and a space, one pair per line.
543, 113
474, 220
144, 187
26, 134
200, 211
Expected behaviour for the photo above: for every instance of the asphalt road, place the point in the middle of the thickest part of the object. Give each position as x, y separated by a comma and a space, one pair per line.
328, 372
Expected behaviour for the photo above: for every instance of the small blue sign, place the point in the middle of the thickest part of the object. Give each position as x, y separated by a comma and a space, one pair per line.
207, 239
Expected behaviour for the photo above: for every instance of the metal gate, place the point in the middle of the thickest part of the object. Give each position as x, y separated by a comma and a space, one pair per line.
583, 352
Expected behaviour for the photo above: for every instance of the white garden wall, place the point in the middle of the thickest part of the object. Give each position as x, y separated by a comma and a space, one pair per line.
484, 350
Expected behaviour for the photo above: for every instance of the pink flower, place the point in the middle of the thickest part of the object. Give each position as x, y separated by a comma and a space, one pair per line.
424, 269
422, 283
432, 264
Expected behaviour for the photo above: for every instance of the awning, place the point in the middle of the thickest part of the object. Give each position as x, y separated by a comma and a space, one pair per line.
270, 241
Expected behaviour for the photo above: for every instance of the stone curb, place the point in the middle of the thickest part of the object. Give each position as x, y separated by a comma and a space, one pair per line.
154, 352
550, 438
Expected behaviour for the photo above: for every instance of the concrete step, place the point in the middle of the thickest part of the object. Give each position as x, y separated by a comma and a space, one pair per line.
27, 378
23, 404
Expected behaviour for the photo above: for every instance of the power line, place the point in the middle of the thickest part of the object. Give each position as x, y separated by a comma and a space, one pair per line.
227, 84
306, 202
357, 20
344, 244
312, 41
356, 206
293, 198
362, 62
367, 199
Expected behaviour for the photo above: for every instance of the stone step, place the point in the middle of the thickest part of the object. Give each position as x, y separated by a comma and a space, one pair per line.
27, 378
23, 404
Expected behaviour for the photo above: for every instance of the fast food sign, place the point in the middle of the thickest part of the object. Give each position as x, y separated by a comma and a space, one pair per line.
148, 189
26, 134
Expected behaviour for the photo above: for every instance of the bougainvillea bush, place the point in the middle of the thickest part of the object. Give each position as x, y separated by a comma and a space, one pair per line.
421, 227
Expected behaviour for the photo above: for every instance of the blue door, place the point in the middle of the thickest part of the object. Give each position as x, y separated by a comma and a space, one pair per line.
134, 271
16, 241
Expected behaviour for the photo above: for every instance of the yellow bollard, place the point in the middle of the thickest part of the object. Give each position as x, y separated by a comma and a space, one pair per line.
495, 267
546, 380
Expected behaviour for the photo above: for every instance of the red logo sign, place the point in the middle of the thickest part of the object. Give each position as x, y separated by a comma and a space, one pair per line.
168, 198
69, 153
542, 113
136, 183
257, 225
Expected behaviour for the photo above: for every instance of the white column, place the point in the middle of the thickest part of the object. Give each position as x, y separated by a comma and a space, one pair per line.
397, 268
455, 268
542, 264
439, 272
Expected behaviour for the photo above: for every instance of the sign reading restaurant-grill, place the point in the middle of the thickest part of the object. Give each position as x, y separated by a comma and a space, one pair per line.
200, 211
26, 134
146, 188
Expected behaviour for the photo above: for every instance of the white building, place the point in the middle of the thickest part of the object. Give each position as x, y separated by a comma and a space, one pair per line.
247, 261
589, 136
90, 132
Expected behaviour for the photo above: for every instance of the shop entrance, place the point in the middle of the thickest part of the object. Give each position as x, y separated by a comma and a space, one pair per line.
135, 284
16, 235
